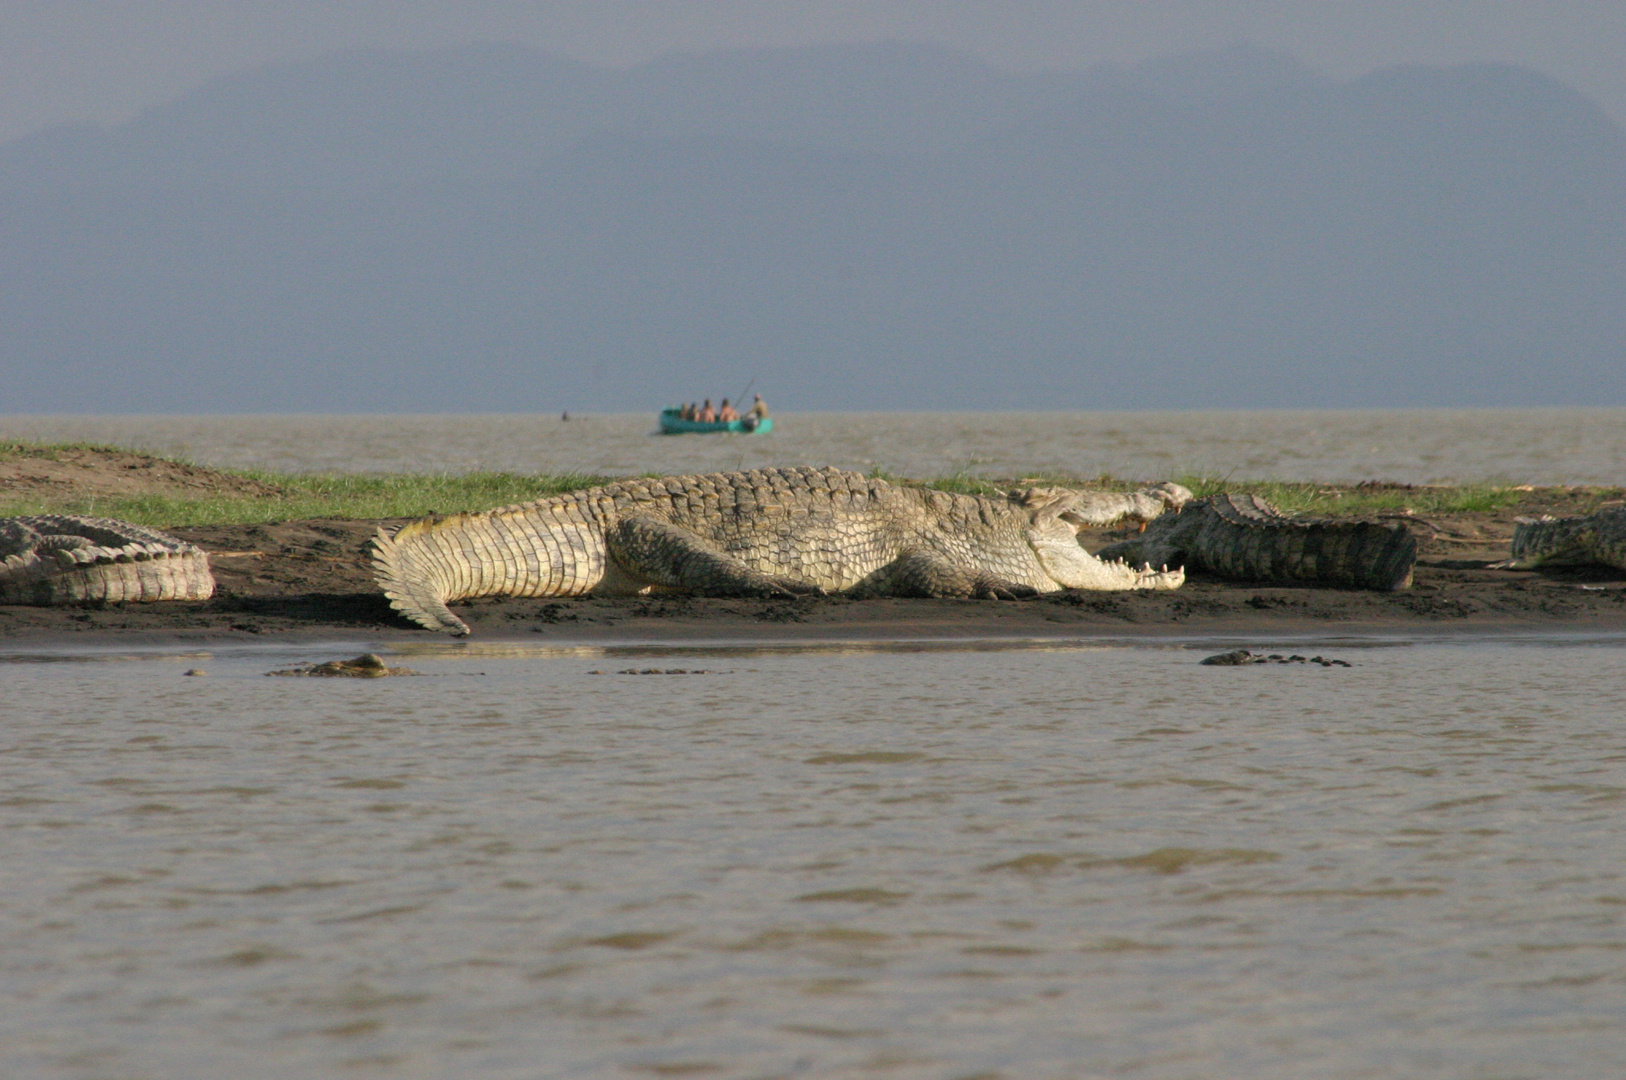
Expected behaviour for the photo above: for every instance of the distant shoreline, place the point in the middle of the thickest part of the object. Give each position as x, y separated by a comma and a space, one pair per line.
1543, 446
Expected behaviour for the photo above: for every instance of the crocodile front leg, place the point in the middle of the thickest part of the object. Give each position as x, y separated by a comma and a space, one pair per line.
922, 573
656, 551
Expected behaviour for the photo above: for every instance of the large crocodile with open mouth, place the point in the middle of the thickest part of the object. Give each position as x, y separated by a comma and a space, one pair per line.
1590, 540
768, 532
64, 559
1245, 538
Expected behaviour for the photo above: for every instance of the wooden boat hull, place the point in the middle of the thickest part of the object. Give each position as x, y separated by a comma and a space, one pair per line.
674, 424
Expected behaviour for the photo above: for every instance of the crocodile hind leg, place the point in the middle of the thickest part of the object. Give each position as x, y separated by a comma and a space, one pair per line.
922, 573
660, 553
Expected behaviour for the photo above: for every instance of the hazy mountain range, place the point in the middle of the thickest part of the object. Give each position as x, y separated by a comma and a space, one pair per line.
498, 229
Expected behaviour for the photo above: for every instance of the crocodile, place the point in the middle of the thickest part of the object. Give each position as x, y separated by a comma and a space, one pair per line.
768, 532
1243, 537
1592, 539
365, 666
64, 559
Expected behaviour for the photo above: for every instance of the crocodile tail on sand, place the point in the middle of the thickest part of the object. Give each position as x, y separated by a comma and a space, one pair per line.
1595, 539
66, 559
1248, 538
417, 583
1245, 538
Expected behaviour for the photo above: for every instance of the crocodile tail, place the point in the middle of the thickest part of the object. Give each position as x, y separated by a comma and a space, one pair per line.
64, 559
415, 568
553, 547
1246, 537
1595, 539
1532, 539
1550, 541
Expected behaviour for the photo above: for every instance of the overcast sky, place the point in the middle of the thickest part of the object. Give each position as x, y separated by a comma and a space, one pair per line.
105, 60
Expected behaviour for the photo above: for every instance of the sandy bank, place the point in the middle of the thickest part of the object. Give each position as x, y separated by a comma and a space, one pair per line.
310, 579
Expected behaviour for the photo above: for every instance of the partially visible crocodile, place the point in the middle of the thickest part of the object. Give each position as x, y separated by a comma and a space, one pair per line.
365, 666
769, 532
1593, 539
1246, 538
62, 559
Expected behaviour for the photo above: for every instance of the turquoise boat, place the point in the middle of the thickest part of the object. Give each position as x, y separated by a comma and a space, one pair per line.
672, 423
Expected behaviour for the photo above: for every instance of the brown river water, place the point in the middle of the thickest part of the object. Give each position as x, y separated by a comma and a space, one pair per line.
1023, 859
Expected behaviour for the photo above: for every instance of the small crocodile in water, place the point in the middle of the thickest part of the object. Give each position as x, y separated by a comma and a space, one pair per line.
365, 666
1591, 540
1245, 538
62, 559
768, 532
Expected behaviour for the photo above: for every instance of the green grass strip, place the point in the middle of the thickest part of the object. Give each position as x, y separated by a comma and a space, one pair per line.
401, 495
357, 496
321, 496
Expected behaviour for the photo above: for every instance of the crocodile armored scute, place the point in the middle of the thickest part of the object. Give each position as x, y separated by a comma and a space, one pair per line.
765, 532
64, 559
1589, 540
1245, 538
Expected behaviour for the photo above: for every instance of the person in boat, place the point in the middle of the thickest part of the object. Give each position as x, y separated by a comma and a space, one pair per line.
708, 415
727, 412
687, 412
759, 408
